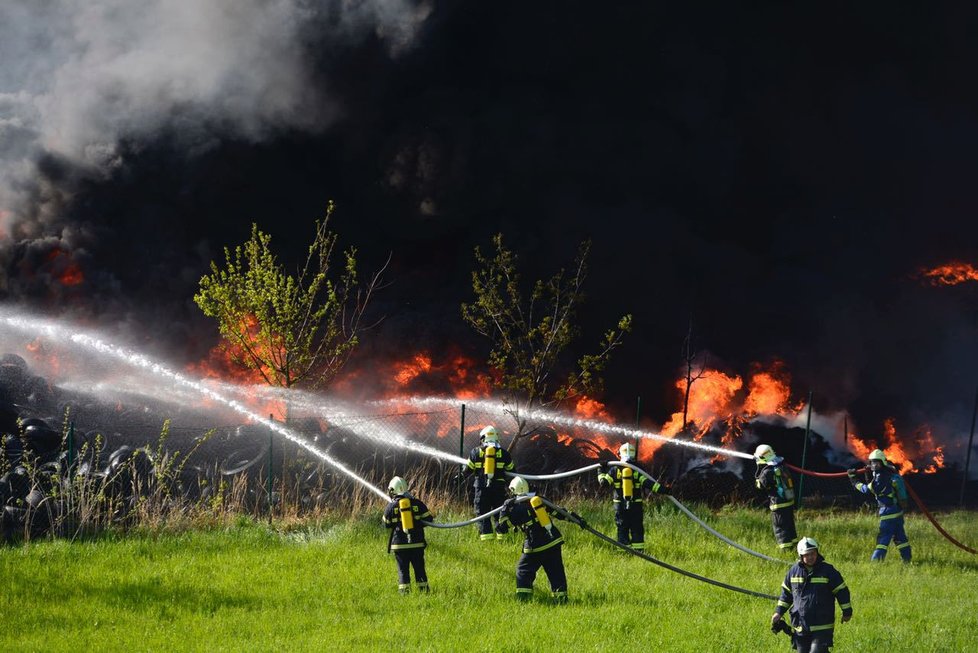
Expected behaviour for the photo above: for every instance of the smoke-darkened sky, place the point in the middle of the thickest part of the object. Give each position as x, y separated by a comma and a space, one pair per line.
778, 173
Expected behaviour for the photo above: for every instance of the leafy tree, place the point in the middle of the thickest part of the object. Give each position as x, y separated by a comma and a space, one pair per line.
530, 334
293, 330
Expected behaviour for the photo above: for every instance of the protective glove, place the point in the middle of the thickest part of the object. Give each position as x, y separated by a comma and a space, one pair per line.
853, 472
502, 528
602, 467
664, 489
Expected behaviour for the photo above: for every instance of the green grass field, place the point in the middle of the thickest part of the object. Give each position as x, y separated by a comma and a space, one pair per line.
329, 585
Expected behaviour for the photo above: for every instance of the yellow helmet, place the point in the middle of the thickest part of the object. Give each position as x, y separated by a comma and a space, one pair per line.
877, 454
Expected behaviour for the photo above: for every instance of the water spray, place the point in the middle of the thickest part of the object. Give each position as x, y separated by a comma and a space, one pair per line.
565, 420
34, 326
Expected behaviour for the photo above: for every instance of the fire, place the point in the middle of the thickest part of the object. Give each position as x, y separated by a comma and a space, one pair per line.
407, 371
767, 394
950, 274
896, 449
66, 270
710, 398
592, 409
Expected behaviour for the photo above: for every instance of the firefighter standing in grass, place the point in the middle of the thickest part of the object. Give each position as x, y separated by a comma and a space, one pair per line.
890, 492
629, 487
773, 479
541, 542
407, 541
808, 594
489, 463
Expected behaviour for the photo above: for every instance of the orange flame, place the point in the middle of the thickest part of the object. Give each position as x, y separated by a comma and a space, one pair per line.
950, 274
896, 449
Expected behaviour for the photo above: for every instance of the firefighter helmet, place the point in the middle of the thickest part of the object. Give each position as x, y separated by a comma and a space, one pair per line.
489, 435
518, 486
627, 451
807, 545
763, 452
877, 454
397, 486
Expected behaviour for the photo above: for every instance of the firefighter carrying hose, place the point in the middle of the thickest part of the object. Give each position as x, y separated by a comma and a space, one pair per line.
489, 463
772, 478
890, 492
541, 542
809, 593
629, 488
407, 541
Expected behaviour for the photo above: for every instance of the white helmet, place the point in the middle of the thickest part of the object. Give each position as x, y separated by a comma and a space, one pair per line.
877, 454
489, 435
627, 451
397, 486
518, 486
807, 545
763, 452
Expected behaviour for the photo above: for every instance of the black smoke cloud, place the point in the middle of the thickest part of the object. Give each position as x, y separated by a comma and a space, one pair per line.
778, 174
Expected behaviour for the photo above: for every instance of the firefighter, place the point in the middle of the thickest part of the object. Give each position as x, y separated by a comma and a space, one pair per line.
890, 492
402, 515
629, 488
541, 542
808, 594
772, 478
489, 463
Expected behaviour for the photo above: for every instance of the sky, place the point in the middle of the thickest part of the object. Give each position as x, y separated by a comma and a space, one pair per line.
777, 173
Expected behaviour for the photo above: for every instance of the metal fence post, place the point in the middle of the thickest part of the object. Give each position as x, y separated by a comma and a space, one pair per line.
804, 449
461, 454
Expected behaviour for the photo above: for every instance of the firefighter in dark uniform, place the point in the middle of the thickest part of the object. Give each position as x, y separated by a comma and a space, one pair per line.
773, 479
489, 463
541, 542
629, 486
407, 541
890, 492
809, 593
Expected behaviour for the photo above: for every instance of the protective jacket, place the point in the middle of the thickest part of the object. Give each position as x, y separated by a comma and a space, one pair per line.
414, 537
775, 480
809, 596
536, 537
498, 479
887, 486
641, 484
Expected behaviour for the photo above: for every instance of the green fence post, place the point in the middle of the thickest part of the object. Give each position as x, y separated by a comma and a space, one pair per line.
804, 449
270, 435
461, 454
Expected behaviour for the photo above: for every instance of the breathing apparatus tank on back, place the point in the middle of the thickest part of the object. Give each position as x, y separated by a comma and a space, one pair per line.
398, 486
627, 454
490, 440
541, 512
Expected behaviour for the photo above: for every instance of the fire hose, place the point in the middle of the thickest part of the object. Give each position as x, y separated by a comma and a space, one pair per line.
910, 491
675, 501
474, 520
576, 519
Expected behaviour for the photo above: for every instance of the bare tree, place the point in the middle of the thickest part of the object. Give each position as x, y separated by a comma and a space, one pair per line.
530, 333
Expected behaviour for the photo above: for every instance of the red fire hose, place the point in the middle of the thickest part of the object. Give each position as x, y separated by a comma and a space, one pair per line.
910, 491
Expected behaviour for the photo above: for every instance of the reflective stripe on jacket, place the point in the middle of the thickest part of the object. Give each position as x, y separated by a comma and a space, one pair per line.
810, 595
536, 538
392, 519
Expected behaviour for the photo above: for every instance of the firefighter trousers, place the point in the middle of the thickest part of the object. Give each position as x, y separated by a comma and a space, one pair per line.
630, 523
820, 642
552, 561
892, 529
783, 521
406, 559
486, 499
